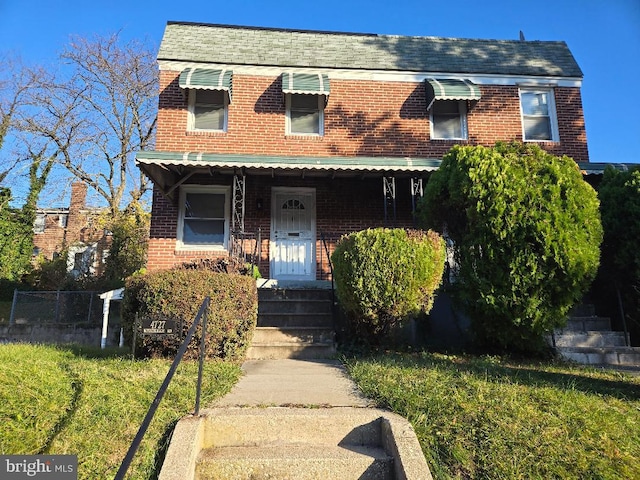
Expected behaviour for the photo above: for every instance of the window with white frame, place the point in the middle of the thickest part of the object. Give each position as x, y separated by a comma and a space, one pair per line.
39, 223
538, 115
449, 120
204, 217
208, 110
305, 114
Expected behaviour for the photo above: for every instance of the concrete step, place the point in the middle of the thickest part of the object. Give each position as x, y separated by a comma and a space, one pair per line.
277, 319
296, 335
590, 339
277, 443
308, 305
583, 310
622, 356
587, 324
295, 462
294, 294
292, 342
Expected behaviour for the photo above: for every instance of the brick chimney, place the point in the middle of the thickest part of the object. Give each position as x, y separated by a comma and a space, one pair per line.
77, 218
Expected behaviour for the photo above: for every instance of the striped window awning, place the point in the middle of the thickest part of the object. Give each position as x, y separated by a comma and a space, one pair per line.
306, 83
450, 89
206, 79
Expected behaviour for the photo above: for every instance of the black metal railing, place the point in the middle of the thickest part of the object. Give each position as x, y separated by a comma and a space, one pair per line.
246, 247
201, 315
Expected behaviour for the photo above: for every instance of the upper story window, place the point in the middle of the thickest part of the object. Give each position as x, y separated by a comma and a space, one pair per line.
305, 97
39, 223
449, 120
209, 97
203, 221
447, 100
305, 114
208, 110
538, 115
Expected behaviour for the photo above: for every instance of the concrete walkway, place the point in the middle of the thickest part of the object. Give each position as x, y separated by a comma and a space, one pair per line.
288, 383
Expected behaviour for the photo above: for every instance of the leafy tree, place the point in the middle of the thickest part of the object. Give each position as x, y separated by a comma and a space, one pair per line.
94, 114
130, 236
384, 276
526, 232
16, 240
619, 273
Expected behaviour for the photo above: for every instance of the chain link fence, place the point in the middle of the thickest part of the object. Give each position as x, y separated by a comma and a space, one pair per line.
58, 308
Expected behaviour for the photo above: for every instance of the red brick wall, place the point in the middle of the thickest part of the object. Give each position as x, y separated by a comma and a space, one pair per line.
343, 205
361, 118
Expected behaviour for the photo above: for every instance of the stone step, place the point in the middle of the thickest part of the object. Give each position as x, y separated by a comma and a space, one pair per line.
295, 335
292, 342
276, 351
270, 443
295, 462
273, 305
587, 324
277, 319
622, 356
291, 294
590, 339
583, 310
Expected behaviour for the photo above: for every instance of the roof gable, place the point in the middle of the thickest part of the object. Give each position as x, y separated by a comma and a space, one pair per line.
226, 44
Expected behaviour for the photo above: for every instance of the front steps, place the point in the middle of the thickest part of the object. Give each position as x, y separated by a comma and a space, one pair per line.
588, 339
295, 444
293, 322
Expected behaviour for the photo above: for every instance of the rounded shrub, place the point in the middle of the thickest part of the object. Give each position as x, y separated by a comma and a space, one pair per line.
526, 232
178, 294
385, 276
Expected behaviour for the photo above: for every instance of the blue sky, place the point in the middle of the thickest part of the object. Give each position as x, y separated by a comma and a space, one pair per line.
604, 36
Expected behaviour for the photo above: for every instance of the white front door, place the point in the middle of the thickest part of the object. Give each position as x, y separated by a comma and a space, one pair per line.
293, 233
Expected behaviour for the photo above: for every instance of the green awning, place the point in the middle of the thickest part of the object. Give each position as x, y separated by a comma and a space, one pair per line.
307, 83
206, 79
450, 89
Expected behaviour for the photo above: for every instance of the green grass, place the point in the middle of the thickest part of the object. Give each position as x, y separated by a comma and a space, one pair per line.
489, 418
91, 404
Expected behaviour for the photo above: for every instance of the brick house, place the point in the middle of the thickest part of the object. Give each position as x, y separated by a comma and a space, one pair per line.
72, 229
305, 135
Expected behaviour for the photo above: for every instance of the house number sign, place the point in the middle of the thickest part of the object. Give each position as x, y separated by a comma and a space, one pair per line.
160, 326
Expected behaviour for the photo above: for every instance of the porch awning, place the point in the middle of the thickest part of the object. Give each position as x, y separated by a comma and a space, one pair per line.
450, 89
307, 83
206, 79
170, 169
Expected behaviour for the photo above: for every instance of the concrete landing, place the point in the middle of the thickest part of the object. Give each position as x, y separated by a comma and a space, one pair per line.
290, 382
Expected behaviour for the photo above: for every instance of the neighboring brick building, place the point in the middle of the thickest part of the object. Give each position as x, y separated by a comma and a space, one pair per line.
72, 229
303, 134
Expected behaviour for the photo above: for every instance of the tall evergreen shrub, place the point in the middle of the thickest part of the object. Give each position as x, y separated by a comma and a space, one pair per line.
526, 231
385, 276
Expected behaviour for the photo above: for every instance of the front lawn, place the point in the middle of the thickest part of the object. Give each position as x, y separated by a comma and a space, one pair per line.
489, 418
67, 401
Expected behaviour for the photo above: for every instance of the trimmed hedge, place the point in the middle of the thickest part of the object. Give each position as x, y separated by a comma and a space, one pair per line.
179, 294
385, 276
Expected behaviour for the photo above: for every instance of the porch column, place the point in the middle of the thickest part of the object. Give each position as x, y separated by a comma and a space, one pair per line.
389, 191
416, 190
237, 221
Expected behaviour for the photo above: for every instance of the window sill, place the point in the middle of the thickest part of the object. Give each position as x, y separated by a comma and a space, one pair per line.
304, 136
206, 133
189, 250
542, 141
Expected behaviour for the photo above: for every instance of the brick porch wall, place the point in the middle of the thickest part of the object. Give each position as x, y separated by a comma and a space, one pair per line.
342, 206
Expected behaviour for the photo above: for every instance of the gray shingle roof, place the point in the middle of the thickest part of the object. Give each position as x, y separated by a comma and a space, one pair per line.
229, 44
